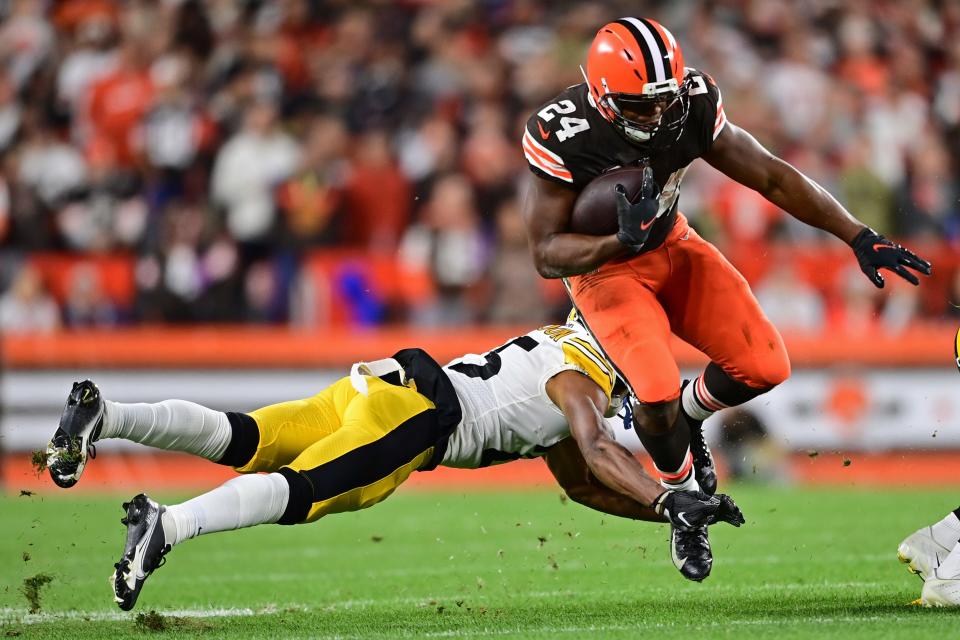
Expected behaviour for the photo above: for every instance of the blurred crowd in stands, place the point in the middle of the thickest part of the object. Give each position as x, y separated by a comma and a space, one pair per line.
358, 163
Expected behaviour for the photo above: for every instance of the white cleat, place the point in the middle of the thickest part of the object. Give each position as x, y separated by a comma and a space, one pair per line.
922, 553
940, 592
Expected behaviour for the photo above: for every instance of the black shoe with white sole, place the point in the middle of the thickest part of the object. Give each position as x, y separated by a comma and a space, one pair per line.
690, 551
80, 426
144, 552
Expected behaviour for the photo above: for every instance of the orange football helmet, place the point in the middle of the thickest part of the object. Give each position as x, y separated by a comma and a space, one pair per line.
636, 77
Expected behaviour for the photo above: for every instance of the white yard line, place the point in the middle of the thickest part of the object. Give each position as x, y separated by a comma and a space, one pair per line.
10, 615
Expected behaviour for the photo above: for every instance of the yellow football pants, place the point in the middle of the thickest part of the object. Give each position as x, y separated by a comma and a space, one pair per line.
355, 449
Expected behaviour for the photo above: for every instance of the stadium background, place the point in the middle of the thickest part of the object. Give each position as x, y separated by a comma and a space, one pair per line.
231, 201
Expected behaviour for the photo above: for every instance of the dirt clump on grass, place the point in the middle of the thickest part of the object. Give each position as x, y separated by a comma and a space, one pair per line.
150, 621
155, 622
31, 589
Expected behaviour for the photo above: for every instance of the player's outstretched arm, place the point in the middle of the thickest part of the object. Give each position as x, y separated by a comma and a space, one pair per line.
583, 403
738, 154
556, 252
600, 473
567, 465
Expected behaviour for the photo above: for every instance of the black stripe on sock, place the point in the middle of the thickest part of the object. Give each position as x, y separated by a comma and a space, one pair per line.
376, 460
696, 397
300, 499
644, 49
244, 440
956, 512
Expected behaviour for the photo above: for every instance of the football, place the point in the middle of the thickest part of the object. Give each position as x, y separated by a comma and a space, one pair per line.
595, 211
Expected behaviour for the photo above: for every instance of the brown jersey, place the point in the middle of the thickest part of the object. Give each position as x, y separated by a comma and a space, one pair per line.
568, 141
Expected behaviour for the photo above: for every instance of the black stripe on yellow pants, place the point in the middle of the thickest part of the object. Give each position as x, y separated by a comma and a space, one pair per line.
363, 476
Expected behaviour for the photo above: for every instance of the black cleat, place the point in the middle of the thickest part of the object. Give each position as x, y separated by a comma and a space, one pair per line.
79, 428
144, 552
690, 551
704, 470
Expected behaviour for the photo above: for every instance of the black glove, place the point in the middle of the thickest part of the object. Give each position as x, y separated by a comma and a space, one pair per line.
692, 509
636, 218
875, 252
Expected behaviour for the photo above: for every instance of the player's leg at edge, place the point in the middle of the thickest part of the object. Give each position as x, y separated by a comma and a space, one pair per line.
171, 425
942, 586
924, 550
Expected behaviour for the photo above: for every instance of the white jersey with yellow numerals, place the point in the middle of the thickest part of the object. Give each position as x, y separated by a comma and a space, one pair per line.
506, 411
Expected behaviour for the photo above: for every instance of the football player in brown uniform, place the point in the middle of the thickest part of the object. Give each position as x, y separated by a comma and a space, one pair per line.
640, 106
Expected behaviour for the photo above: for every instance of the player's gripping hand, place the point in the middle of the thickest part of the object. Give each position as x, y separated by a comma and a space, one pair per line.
692, 509
875, 252
636, 218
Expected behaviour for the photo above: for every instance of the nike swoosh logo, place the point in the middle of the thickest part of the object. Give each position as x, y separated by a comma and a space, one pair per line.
543, 134
683, 519
880, 245
678, 562
644, 227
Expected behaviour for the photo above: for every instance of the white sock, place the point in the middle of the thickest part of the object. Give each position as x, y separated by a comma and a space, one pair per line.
947, 531
240, 502
949, 569
173, 425
682, 479
698, 402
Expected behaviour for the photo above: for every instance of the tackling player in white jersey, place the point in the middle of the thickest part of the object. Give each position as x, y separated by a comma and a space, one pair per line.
354, 443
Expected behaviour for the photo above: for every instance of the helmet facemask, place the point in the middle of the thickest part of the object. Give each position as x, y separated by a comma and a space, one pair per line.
671, 106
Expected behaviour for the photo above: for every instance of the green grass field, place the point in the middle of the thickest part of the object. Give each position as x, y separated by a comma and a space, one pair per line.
808, 564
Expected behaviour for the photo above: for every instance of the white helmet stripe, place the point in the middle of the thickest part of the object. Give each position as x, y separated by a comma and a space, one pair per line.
655, 52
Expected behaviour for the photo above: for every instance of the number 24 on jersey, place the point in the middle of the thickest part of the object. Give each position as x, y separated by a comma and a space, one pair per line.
569, 126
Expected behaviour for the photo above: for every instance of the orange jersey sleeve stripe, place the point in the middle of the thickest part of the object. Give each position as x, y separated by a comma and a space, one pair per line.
534, 161
720, 120
542, 151
718, 127
537, 157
